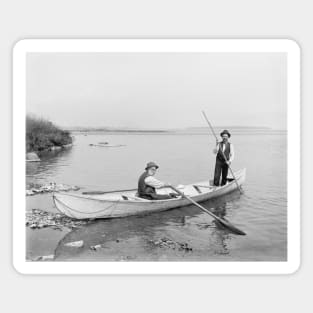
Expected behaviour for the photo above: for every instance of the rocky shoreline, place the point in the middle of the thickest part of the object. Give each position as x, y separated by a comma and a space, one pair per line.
37, 219
33, 189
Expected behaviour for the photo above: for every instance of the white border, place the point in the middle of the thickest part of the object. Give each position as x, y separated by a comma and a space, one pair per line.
20, 50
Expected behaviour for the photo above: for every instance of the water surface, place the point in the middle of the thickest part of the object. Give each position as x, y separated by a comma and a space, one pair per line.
183, 158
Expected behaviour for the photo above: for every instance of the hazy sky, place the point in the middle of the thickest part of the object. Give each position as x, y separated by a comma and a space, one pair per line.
158, 90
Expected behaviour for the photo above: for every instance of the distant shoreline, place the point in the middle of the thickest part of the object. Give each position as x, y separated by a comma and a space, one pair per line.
178, 132
117, 131
233, 129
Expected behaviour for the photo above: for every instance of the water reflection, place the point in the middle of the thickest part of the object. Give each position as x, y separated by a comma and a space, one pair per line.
220, 237
118, 236
51, 162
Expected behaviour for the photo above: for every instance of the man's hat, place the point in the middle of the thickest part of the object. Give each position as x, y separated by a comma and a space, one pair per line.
151, 164
225, 132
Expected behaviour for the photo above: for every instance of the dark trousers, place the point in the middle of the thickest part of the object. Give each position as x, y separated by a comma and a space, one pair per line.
220, 168
155, 196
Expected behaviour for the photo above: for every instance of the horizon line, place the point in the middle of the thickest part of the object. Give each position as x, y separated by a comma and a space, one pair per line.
127, 128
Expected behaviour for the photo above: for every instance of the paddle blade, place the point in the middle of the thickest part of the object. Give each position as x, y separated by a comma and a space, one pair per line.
230, 226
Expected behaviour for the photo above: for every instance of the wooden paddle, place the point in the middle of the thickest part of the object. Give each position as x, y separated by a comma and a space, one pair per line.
223, 221
240, 190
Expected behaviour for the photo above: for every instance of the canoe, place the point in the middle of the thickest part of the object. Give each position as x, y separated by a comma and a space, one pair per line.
121, 204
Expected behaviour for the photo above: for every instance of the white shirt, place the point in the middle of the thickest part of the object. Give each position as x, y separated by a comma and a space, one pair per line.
232, 151
153, 182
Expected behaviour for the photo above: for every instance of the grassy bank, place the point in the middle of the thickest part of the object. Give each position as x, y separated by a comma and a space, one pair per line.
42, 134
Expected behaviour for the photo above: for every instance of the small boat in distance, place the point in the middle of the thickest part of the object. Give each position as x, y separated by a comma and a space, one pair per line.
126, 203
105, 145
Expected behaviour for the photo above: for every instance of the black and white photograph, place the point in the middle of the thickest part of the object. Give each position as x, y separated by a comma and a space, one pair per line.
156, 156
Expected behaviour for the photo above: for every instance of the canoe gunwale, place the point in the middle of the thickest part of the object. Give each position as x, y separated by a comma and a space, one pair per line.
238, 175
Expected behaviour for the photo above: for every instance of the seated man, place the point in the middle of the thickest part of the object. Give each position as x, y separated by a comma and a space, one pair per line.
147, 184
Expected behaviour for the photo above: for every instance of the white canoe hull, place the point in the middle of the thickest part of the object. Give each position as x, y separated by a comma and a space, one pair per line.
113, 205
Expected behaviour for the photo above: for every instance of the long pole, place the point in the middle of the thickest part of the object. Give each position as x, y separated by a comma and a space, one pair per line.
206, 118
222, 221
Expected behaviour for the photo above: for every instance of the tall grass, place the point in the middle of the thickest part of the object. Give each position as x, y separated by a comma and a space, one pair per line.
42, 134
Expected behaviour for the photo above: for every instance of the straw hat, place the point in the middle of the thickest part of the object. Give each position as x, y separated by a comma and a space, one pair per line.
151, 164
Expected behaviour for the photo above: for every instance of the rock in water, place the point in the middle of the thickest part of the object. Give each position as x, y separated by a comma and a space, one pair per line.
67, 146
96, 247
55, 148
45, 258
75, 244
29, 193
32, 157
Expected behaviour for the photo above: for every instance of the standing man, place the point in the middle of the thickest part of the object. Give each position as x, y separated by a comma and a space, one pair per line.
225, 154
147, 184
